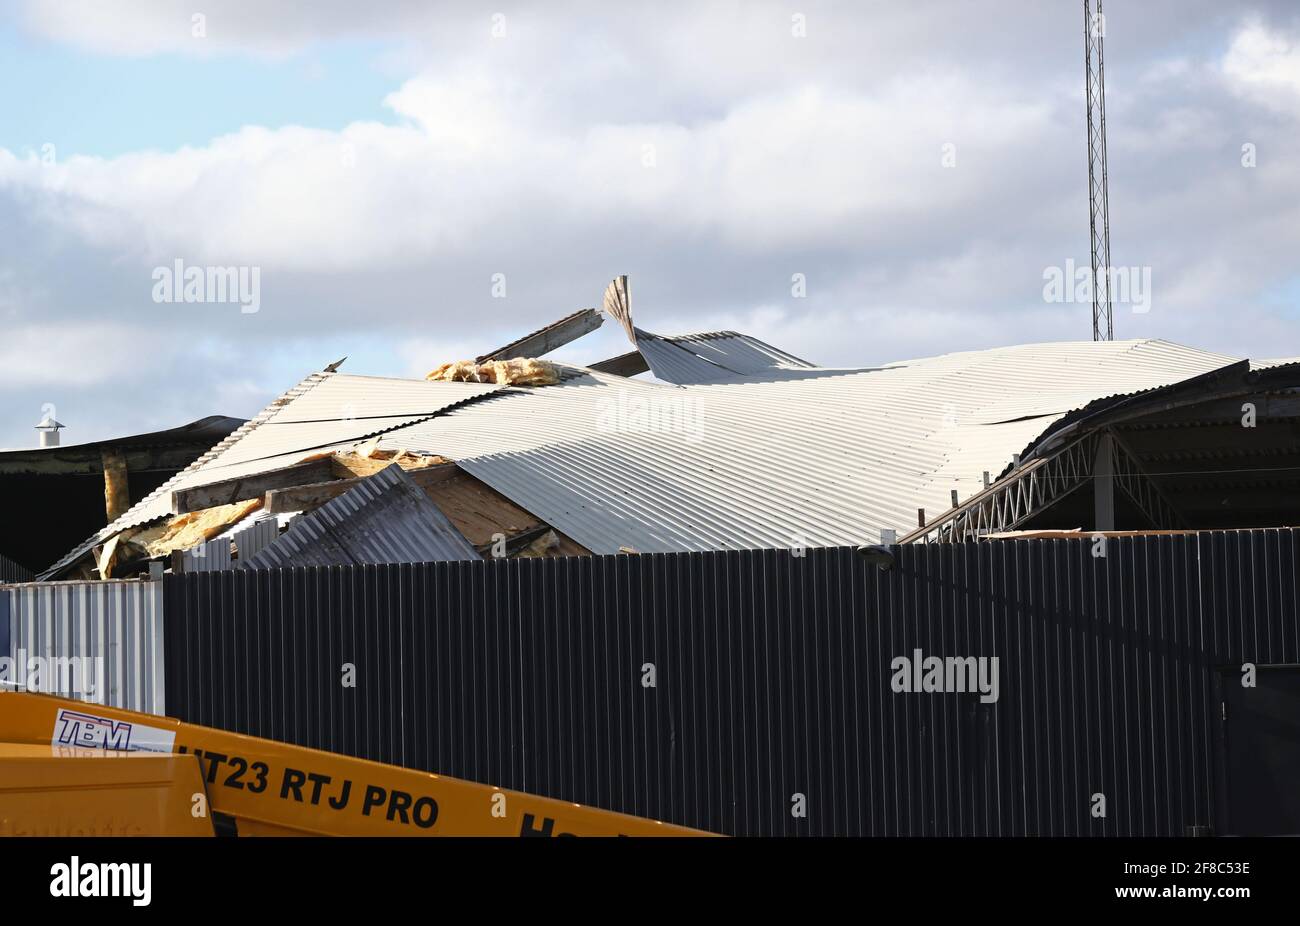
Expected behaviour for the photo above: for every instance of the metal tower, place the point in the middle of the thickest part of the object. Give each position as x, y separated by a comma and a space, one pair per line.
1094, 32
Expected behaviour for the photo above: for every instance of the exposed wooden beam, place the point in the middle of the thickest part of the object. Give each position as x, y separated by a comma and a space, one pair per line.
117, 488
308, 497
242, 488
552, 337
629, 364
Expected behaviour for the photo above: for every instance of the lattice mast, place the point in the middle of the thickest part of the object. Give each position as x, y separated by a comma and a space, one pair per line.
1094, 33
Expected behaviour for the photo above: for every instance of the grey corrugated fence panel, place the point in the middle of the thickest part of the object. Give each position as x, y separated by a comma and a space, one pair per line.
386, 518
117, 624
13, 572
256, 538
772, 677
208, 556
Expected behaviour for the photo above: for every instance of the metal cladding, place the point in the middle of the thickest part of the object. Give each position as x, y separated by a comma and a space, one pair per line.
386, 518
256, 537
95, 641
207, 556
756, 692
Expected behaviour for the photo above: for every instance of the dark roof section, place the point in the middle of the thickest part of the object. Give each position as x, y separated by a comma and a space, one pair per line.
208, 431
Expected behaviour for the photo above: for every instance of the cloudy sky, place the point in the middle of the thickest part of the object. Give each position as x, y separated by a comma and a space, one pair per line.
382, 165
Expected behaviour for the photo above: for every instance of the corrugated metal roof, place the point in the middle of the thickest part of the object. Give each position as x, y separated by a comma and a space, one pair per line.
324, 412
769, 459
387, 518
830, 458
720, 356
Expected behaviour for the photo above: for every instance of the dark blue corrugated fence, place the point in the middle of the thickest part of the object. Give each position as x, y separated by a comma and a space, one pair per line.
771, 677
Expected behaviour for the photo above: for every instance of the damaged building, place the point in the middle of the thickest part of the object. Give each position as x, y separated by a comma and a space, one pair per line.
729, 443
504, 547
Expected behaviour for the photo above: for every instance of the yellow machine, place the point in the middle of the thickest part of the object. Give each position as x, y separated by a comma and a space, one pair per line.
74, 768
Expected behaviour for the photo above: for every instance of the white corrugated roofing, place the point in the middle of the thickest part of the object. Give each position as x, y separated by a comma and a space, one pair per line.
774, 456
326, 411
830, 457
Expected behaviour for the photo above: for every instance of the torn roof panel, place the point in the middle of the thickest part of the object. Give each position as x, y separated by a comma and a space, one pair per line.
674, 363
386, 518
721, 357
740, 352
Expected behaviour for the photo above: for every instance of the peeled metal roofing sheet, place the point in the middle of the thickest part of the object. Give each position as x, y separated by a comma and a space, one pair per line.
386, 518
673, 363
718, 357
825, 460
739, 352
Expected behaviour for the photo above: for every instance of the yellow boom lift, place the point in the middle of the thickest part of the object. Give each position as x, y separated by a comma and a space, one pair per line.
76, 768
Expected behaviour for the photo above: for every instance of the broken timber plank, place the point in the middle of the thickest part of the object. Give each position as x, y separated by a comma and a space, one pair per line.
552, 337
307, 497
243, 488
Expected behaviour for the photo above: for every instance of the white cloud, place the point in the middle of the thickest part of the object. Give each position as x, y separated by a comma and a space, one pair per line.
472, 153
1264, 64
527, 155
72, 355
270, 28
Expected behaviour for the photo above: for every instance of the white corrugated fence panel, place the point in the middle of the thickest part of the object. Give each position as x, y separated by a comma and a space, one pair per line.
94, 641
